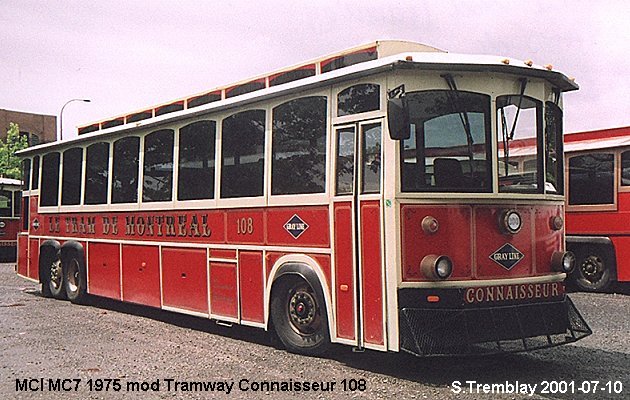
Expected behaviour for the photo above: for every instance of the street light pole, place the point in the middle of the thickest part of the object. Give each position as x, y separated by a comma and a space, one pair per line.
61, 115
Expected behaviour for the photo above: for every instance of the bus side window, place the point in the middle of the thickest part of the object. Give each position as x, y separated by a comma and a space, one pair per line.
157, 182
625, 168
26, 173
591, 179
125, 173
71, 176
96, 173
298, 164
358, 99
243, 154
196, 161
49, 195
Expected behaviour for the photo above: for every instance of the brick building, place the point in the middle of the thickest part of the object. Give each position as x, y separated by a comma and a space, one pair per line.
39, 128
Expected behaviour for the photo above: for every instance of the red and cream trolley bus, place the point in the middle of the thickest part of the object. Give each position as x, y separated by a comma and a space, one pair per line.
10, 202
364, 198
598, 207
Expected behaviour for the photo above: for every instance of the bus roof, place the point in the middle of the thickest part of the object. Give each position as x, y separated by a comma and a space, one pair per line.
427, 59
10, 182
597, 139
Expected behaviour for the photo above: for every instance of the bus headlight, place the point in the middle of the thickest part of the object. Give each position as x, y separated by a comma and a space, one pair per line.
510, 221
436, 267
563, 262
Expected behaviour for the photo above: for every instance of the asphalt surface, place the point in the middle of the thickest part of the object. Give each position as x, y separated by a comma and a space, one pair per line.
53, 349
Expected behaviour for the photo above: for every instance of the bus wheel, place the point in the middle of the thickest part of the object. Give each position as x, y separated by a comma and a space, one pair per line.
593, 270
299, 316
75, 278
56, 281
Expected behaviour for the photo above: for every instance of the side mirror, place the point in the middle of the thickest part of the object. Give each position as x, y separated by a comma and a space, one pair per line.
398, 118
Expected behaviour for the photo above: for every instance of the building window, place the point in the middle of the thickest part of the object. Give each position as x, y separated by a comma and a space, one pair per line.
242, 154
358, 99
591, 179
158, 166
196, 161
96, 173
49, 195
125, 173
299, 146
71, 177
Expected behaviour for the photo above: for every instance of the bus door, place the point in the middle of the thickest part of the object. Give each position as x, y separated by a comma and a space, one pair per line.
358, 224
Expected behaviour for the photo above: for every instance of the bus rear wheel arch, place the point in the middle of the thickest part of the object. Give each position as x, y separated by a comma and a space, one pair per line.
298, 314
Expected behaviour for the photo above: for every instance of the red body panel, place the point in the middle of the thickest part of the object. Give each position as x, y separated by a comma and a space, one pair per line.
316, 235
251, 283
223, 289
622, 248
141, 275
372, 273
22, 261
453, 238
245, 227
185, 279
458, 224
104, 270
33, 259
344, 271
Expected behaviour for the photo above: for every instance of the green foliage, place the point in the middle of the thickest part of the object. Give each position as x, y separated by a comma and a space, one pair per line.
10, 164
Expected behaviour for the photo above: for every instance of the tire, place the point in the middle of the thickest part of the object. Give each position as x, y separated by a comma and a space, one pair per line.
593, 271
56, 281
298, 313
75, 278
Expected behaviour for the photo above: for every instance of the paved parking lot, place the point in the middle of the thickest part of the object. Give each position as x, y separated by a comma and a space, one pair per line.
111, 350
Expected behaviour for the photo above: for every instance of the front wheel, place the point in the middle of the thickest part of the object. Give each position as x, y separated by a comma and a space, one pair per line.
593, 272
299, 316
75, 278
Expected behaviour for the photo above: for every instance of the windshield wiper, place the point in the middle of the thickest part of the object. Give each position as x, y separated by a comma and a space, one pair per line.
463, 116
507, 137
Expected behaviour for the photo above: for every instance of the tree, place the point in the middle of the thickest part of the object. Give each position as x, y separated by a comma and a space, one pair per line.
10, 164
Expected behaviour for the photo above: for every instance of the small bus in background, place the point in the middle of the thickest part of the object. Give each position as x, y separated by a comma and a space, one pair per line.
365, 198
10, 203
598, 207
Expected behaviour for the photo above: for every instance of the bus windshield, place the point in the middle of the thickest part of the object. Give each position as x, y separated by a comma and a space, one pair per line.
449, 146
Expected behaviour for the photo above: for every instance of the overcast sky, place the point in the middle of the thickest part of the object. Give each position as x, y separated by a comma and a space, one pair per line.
128, 55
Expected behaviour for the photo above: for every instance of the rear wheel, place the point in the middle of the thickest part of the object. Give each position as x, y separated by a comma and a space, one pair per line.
75, 279
56, 281
594, 270
299, 316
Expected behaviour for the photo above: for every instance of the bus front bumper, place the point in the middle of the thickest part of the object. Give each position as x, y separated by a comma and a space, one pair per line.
504, 329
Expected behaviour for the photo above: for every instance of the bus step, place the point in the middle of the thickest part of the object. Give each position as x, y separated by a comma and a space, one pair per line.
358, 349
224, 323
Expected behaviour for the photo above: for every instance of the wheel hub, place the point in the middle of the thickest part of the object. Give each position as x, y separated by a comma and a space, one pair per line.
302, 308
55, 273
592, 268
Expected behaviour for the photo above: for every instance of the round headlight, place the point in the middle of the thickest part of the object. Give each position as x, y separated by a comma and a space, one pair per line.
511, 221
443, 267
556, 223
568, 262
436, 267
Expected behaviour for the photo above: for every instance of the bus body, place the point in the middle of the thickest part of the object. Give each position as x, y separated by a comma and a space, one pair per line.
362, 198
10, 202
598, 207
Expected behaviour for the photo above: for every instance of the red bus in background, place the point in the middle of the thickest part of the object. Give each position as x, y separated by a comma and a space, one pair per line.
366, 198
10, 204
598, 207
